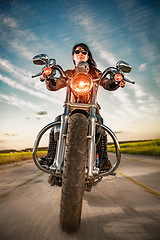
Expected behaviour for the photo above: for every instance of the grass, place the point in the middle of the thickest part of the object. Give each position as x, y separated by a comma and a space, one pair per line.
6, 158
150, 147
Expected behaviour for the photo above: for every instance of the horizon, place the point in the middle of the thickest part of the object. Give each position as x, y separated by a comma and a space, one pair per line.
119, 30
45, 148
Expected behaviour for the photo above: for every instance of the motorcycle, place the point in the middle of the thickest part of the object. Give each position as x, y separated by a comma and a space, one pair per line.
76, 167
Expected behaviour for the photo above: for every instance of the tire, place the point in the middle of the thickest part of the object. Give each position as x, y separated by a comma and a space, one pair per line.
73, 183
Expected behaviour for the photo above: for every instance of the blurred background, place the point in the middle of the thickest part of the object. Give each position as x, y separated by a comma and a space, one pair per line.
113, 30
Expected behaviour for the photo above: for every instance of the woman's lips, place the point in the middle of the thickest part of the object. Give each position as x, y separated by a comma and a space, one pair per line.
80, 57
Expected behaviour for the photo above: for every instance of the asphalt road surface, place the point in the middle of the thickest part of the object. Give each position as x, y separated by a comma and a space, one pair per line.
124, 207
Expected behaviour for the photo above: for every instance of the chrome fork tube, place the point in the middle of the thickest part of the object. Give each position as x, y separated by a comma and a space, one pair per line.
62, 140
92, 134
62, 136
91, 141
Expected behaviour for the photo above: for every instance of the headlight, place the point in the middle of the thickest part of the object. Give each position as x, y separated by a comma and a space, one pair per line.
81, 83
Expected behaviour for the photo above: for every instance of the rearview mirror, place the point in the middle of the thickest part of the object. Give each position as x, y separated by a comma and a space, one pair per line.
123, 66
40, 59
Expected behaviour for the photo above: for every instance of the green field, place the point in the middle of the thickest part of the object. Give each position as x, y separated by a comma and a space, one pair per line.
6, 158
150, 147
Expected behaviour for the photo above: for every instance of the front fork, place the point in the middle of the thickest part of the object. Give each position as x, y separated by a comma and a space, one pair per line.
57, 165
92, 134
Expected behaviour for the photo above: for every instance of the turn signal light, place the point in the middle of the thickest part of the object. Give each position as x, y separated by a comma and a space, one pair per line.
118, 77
47, 71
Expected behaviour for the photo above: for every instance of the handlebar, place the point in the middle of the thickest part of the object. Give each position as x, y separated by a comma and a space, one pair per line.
60, 70
55, 67
110, 70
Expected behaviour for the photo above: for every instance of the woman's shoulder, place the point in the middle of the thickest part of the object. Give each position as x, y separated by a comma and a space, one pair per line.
95, 72
98, 71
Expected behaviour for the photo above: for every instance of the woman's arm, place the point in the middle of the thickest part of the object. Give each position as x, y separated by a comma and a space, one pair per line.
59, 84
51, 87
109, 85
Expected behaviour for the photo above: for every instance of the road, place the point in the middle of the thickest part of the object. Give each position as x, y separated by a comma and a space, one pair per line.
124, 207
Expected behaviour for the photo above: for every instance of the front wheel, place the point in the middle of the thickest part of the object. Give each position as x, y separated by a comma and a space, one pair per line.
73, 184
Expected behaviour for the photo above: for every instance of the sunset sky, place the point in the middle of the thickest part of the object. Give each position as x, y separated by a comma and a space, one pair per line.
114, 30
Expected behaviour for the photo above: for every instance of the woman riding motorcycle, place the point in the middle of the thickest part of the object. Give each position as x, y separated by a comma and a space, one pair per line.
81, 52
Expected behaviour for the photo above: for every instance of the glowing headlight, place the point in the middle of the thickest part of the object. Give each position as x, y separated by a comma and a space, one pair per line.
81, 83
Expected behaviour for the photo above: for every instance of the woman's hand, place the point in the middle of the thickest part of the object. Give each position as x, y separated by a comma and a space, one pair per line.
43, 77
122, 84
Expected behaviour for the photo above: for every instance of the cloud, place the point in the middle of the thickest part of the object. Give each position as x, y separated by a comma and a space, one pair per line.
21, 49
12, 83
155, 71
104, 54
116, 132
10, 134
24, 35
10, 22
144, 25
138, 91
20, 73
143, 67
127, 106
42, 113
16, 38
18, 102
26, 85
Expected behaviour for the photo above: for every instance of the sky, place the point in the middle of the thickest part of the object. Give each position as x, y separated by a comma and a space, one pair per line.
113, 30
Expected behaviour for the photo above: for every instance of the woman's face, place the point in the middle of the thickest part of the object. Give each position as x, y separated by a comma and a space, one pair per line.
80, 55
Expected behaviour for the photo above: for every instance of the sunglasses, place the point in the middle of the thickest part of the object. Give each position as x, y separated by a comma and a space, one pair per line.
78, 51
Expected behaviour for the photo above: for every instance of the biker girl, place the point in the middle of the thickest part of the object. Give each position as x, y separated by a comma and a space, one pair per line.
81, 52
